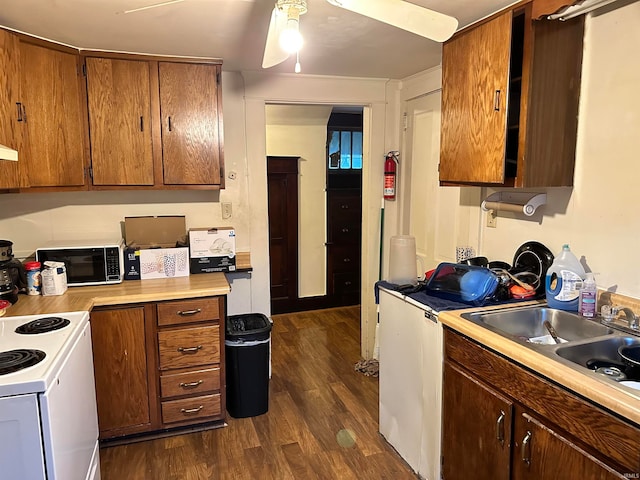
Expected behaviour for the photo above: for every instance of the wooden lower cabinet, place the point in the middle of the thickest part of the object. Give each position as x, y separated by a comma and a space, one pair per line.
124, 372
159, 365
501, 421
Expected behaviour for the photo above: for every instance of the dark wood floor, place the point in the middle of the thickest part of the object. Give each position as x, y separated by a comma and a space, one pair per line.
322, 421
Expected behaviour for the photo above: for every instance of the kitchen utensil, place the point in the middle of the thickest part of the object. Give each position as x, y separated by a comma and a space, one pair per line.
551, 330
595, 363
499, 264
630, 354
476, 261
524, 285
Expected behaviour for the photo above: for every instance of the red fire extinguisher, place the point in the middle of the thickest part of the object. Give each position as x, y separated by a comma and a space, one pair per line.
390, 167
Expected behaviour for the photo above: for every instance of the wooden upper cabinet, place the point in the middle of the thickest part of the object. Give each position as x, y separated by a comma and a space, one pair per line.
53, 152
191, 123
475, 75
510, 93
9, 105
120, 121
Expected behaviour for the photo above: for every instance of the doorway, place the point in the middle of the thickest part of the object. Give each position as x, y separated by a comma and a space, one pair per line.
320, 267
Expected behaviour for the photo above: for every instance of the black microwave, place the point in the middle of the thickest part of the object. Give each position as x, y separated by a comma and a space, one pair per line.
87, 263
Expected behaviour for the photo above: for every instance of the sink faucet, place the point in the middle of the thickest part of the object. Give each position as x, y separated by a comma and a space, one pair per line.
631, 317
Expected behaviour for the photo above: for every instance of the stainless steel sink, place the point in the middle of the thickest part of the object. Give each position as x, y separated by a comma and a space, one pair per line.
527, 323
605, 350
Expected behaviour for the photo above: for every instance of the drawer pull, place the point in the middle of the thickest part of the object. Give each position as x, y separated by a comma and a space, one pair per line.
500, 428
346, 260
187, 313
191, 410
526, 449
189, 349
191, 384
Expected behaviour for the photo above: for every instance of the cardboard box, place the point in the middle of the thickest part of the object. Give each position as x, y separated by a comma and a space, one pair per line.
212, 249
156, 247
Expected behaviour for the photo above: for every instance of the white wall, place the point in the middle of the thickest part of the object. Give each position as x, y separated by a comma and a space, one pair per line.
599, 216
301, 131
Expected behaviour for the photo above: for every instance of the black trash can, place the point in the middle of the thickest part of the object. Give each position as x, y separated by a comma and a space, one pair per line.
247, 351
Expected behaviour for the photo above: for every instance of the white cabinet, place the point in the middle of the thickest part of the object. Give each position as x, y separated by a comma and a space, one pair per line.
411, 382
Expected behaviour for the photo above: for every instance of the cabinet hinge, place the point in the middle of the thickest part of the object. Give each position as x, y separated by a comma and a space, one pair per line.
405, 121
84, 69
90, 172
218, 78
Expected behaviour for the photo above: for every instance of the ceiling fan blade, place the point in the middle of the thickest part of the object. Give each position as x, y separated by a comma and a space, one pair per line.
407, 16
273, 53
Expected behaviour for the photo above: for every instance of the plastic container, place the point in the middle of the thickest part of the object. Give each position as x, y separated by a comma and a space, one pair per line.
462, 283
34, 278
588, 297
403, 267
564, 280
247, 351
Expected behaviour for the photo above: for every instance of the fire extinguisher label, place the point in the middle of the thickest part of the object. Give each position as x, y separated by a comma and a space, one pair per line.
389, 186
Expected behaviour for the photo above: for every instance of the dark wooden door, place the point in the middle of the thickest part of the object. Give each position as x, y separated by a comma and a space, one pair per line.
476, 429
190, 123
282, 184
542, 454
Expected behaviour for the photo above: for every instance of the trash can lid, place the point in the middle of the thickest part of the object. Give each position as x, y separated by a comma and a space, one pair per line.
248, 326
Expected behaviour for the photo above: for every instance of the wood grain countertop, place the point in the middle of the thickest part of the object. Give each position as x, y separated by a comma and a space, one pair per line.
133, 291
621, 403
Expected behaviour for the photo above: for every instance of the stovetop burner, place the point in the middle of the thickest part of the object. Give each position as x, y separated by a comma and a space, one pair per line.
42, 325
14, 360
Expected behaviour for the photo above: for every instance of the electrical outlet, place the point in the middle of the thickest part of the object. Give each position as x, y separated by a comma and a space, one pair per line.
492, 219
226, 210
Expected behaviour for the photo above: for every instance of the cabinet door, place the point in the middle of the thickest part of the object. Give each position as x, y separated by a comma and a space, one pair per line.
120, 121
122, 376
190, 124
542, 454
475, 74
9, 105
476, 429
53, 150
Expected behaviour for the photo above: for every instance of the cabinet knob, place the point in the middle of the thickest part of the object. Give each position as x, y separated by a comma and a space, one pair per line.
346, 260
189, 349
344, 206
345, 230
347, 283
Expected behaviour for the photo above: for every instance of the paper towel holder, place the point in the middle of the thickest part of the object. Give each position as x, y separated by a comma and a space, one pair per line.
519, 202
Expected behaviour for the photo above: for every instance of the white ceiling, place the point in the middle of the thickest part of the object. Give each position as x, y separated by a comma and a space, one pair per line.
337, 42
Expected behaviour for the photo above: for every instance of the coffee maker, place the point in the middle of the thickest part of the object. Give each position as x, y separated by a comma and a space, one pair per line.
13, 277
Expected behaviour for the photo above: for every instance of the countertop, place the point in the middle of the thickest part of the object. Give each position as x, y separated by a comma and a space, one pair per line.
132, 291
621, 403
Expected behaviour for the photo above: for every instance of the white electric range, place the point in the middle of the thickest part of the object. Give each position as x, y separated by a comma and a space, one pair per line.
48, 416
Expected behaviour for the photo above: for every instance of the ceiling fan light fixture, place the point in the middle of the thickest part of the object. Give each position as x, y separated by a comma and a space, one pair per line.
291, 39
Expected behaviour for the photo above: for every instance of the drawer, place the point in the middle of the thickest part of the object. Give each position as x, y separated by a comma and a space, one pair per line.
190, 383
188, 311
343, 258
190, 409
189, 347
346, 283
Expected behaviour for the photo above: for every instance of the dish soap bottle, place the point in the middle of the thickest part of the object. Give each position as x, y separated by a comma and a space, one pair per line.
587, 298
563, 281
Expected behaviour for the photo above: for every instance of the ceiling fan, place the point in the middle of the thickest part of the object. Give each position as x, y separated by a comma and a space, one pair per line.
283, 37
